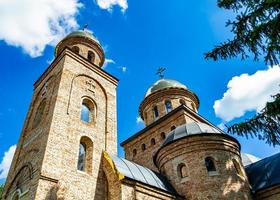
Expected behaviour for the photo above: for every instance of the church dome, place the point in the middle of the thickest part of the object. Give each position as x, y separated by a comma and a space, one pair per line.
164, 83
83, 33
189, 129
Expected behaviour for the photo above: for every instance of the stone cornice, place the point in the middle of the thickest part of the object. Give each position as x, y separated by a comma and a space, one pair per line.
167, 116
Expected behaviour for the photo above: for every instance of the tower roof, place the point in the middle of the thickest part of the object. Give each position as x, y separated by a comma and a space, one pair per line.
164, 83
83, 33
189, 129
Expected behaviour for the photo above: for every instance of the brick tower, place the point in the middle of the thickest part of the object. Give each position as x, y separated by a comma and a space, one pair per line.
71, 120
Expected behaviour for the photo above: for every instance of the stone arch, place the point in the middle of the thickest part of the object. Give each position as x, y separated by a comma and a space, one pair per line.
25, 173
39, 114
105, 95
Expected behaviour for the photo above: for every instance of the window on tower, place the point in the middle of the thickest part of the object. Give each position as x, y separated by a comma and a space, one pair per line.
210, 165
162, 135
82, 157
39, 113
85, 155
182, 170
168, 106
87, 111
156, 112
76, 49
91, 56
153, 141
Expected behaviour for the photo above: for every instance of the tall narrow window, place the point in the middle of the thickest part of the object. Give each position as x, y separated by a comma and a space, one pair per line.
39, 113
153, 141
134, 152
76, 49
168, 106
85, 155
210, 164
82, 157
182, 170
156, 112
87, 111
162, 135
143, 147
91, 56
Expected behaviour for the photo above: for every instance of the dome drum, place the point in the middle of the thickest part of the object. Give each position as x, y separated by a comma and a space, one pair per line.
161, 92
85, 42
210, 157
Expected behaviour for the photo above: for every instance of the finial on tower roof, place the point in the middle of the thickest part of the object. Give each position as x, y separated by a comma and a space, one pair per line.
160, 72
85, 27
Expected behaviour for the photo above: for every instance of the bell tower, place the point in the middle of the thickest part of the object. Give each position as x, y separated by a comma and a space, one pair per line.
71, 120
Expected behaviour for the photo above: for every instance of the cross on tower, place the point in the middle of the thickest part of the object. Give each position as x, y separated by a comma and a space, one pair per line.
160, 72
85, 27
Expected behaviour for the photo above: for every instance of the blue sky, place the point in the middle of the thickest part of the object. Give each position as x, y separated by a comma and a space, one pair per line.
139, 36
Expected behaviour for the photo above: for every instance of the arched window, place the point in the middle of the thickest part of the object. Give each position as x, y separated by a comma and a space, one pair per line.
210, 164
182, 102
143, 147
82, 157
182, 170
76, 49
85, 155
39, 113
91, 56
162, 135
168, 106
134, 152
87, 111
153, 141
173, 128
155, 112
237, 167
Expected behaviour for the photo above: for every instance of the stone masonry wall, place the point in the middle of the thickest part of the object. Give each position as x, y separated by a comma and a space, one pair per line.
224, 183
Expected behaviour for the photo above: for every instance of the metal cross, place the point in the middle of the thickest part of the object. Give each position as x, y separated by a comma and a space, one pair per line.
85, 26
160, 72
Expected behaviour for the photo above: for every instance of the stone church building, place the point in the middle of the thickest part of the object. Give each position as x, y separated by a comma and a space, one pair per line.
68, 145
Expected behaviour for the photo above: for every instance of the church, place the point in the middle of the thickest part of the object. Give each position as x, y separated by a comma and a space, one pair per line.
68, 146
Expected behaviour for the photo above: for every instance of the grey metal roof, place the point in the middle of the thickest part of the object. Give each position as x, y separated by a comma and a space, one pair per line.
83, 33
164, 83
248, 159
142, 174
188, 129
264, 173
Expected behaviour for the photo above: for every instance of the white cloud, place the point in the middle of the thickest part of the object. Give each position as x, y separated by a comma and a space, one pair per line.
108, 4
139, 120
32, 25
6, 161
107, 62
248, 93
123, 69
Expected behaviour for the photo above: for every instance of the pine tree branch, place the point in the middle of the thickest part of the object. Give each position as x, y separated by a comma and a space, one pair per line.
265, 125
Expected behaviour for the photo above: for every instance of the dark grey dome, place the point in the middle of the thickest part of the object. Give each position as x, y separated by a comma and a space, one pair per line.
188, 129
